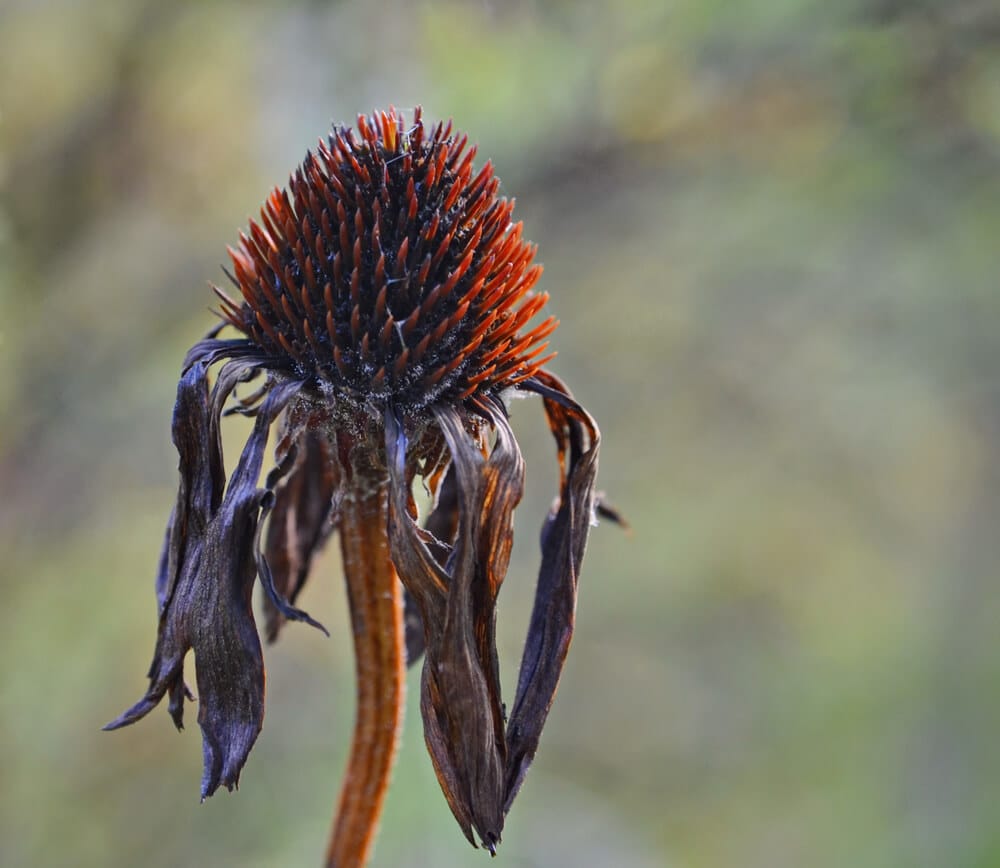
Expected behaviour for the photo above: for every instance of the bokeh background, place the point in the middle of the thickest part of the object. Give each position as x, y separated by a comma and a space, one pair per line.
771, 230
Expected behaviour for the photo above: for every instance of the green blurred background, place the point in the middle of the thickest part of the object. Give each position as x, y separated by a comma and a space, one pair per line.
770, 230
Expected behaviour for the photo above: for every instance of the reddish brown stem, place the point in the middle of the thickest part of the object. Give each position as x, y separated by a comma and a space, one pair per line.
375, 598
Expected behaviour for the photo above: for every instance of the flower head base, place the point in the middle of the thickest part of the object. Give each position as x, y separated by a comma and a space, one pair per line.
390, 272
386, 302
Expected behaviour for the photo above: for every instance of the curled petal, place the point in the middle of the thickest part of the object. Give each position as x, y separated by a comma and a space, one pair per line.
460, 696
212, 349
442, 525
564, 539
426, 584
424, 578
208, 573
201, 486
299, 525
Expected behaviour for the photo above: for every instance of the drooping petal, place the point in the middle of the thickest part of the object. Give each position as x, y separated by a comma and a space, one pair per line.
564, 539
223, 634
200, 490
300, 522
425, 579
442, 525
426, 584
205, 586
460, 696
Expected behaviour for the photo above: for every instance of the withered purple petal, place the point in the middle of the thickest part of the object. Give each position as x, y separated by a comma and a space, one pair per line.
461, 689
460, 701
299, 523
200, 489
426, 584
441, 524
228, 661
285, 462
211, 570
211, 349
274, 597
163, 582
564, 539
424, 578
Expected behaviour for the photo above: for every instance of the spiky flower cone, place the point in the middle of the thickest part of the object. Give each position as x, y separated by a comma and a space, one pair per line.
391, 271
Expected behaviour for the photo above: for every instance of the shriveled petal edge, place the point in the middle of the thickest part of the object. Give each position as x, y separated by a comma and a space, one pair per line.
300, 521
563, 541
206, 538
463, 670
426, 584
199, 492
442, 525
228, 660
454, 588
274, 595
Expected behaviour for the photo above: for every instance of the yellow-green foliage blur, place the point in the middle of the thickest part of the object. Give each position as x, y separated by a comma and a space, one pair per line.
771, 230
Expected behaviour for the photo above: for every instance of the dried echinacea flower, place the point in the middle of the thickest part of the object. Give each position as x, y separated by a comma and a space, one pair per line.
386, 301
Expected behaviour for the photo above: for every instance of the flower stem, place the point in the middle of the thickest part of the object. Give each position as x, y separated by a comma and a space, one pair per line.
375, 597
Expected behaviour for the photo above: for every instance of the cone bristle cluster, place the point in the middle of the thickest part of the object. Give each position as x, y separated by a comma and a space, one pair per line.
391, 270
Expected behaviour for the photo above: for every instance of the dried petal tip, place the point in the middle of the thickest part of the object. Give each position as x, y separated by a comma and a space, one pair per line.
209, 566
391, 271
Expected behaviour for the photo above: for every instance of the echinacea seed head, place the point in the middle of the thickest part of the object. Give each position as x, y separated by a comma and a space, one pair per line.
387, 301
390, 270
